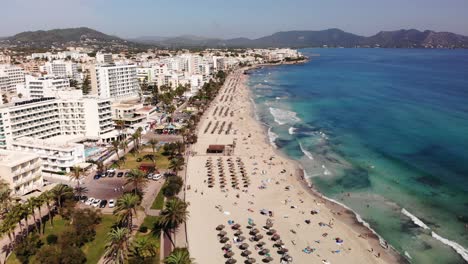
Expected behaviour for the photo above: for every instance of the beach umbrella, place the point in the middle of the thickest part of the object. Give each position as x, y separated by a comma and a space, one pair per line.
238, 233
222, 233
250, 260
264, 251
220, 227
236, 226
275, 237
254, 231
241, 238
279, 243
224, 240
244, 246
210, 185
271, 232
246, 253
258, 237
231, 261
229, 254
260, 244
268, 259
227, 246
283, 250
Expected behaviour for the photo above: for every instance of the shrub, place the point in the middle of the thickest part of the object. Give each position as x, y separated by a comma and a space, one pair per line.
143, 229
51, 239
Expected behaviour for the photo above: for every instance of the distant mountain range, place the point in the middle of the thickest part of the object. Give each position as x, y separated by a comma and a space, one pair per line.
411, 38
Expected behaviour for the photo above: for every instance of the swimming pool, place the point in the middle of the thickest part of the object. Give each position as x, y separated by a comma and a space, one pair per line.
91, 151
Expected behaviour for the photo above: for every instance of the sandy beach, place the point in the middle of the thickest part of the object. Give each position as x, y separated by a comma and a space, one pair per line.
251, 184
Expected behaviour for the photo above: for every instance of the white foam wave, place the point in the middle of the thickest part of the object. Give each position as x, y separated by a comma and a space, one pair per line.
463, 252
282, 116
408, 255
272, 136
307, 153
255, 109
292, 130
415, 220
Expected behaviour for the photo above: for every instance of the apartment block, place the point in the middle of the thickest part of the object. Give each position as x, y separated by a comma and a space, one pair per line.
58, 154
22, 171
38, 87
115, 81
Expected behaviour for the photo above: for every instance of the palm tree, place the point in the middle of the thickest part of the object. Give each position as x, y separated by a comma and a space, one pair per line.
126, 208
180, 147
174, 213
61, 192
135, 138
136, 178
6, 200
176, 164
48, 197
117, 247
179, 256
76, 175
153, 143
123, 145
115, 146
37, 203
80, 191
120, 125
30, 205
143, 249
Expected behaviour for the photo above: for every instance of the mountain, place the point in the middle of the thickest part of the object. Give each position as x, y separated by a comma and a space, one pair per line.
63, 35
330, 37
415, 38
333, 37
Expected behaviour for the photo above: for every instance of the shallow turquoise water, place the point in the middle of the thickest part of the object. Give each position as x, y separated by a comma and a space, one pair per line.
388, 126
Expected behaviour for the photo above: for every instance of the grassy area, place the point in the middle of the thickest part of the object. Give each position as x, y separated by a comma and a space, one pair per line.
95, 249
158, 202
162, 162
149, 222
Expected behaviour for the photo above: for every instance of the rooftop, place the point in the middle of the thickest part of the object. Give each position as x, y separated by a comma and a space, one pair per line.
57, 142
12, 158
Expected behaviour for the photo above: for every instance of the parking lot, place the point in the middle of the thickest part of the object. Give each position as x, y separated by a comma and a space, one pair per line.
107, 188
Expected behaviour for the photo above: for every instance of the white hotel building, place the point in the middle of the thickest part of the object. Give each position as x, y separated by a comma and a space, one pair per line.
50, 126
22, 171
38, 87
117, 82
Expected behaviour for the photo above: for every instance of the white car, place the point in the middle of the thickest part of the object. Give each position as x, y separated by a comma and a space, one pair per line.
89, 201
111, 203
110, 170
157, 177
96, 202
150, 175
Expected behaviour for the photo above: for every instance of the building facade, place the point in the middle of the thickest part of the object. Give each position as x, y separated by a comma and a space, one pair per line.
115, 81
22, 171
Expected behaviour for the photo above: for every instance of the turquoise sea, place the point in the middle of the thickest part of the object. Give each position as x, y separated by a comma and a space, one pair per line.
389, 127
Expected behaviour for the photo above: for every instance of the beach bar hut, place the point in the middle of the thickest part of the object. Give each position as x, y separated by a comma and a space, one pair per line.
215, 149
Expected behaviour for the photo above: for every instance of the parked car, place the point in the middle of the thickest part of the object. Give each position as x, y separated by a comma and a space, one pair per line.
104, 174
120, 174
103, 204
157, 177
150, 175
83, 199
89, 201
96, 202
97, 176
126, 174
111, 170
111, 203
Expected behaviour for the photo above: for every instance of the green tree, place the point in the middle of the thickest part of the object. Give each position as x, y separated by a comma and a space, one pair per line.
143, 250
153, 143
86, 86
174, 214
117, 247
125, 208
137, 179
115, 146
61, 193
179, 256
176, 164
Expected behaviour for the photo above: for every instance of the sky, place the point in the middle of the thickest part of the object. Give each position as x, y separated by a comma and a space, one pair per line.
227, 19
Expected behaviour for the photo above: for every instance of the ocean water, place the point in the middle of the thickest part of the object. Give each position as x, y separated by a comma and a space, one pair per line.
384, 131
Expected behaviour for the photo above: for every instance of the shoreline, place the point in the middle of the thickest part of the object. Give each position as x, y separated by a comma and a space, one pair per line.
343, 212
312, 228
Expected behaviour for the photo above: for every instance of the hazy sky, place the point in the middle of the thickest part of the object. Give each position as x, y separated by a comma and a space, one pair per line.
218, 18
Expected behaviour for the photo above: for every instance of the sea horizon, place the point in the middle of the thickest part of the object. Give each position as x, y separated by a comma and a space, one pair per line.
375, 129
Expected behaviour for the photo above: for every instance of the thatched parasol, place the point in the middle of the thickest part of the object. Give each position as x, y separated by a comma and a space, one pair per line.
241, 238
238, 233
231, 261
264, 251
271, 232
220, 227
227, 246
268, 259
229, 254
258, 237
236, 226
222, 233
244, 246
246, 253
254, 231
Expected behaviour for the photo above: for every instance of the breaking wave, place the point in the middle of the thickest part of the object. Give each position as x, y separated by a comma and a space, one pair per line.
292, 130
463, 252
272, 136
307, 153
284, 116
415, 220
